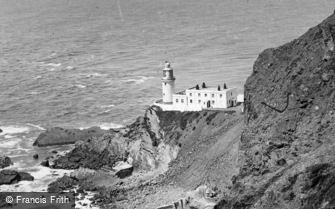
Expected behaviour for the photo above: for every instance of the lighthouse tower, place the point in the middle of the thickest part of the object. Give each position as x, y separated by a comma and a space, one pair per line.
168, 83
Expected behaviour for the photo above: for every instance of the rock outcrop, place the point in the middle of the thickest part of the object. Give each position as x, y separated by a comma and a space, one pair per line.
63, 183
12, 177
139, 143
155, 139
62, 136
5, 162
287, 153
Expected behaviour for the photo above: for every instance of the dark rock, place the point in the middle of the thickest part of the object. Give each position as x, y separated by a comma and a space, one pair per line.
287, 157
137, 141
54, 152
5, 162
61, 136
1, 130
35, 156
123, 173
12, 177
45, 163
63, 183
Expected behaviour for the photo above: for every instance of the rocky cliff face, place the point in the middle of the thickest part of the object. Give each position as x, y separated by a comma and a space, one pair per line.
287, 153
149, 143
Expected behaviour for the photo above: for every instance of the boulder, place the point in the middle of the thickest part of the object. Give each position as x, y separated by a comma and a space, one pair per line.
45, 163
123, 169
62, 136
63, 183
12, 177
35, 156
5, 162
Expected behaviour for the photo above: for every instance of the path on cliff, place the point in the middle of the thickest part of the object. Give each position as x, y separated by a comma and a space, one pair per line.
213, 161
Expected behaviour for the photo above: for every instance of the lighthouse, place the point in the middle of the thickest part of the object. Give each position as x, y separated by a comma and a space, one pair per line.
168, 83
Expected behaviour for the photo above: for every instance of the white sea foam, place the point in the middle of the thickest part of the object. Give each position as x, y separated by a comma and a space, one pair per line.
95, 75
13, 129
54, 64
85, 203
138, 79
37, 77
34, 92
107, 126
8, 136
106, 111
70, 68
42, 177
9, 143
80, 86
36, 126
107, 106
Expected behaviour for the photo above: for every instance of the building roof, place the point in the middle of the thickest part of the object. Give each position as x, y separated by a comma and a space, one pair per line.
210, 89
181, 92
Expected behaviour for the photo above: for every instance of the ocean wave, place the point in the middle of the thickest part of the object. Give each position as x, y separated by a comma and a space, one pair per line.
107, 126
90, 75
13, 130
34, 92
80, 86
36, 126
37, 77
104, 126
9, 143
53, 64
138, 79
105, 111
69, 68
107, 106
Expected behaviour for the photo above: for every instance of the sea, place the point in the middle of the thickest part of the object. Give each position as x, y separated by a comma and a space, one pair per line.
83, 63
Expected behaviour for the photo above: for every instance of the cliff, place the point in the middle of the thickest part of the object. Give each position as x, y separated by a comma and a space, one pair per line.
287, 153
151, 142
171, 153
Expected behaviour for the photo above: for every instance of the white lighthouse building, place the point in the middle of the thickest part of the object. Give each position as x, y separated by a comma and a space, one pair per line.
196, 98
168, 81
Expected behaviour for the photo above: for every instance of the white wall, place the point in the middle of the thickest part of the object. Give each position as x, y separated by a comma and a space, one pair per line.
190, 100
167, 90
217, 99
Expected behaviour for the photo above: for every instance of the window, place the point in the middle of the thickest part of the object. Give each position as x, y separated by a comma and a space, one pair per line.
182, 100
213, 95
231, 93
199, 101
220, 95
199, 94
176, 100
190, 94
190, 100
212, 101
163, 94
205, 95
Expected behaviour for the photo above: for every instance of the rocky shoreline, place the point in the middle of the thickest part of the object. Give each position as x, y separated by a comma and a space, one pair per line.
279, 154
13, 177
137, 157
